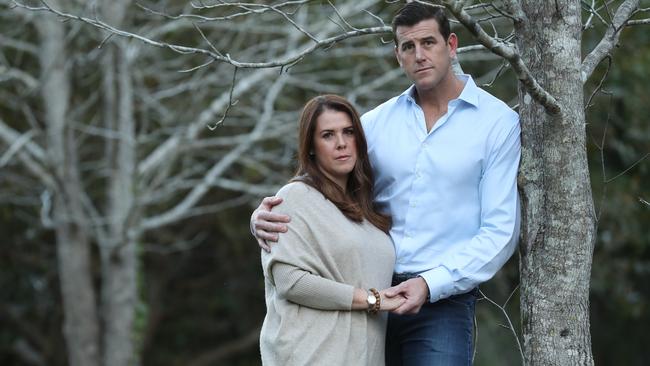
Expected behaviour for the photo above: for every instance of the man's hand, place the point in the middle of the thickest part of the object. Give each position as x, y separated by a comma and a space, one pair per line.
265, 224
414, 290
390, 303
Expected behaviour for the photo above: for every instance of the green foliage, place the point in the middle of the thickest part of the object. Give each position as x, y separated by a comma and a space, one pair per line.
620, 166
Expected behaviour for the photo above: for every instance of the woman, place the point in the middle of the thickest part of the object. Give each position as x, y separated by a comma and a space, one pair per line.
321, 276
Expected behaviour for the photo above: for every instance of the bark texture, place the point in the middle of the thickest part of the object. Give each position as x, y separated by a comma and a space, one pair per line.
80, 328
118, 254
558, 228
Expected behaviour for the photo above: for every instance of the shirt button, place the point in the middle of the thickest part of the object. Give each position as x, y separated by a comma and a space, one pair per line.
414, 203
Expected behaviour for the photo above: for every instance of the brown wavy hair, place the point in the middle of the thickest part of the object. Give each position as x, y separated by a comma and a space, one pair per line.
356, 202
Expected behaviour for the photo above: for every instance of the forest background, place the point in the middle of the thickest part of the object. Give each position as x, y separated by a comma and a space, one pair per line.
196, 268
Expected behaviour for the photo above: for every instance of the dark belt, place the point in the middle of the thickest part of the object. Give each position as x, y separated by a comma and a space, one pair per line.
401, 277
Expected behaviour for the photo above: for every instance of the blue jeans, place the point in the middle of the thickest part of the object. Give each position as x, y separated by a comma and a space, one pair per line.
441, 334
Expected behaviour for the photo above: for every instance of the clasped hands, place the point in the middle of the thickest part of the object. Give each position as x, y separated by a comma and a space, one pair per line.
405, 298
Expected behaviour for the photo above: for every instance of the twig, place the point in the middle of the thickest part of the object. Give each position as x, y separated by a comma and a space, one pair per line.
509, 326
629, 168
502, 67
231, 103
341, 16
600, 84
609, 40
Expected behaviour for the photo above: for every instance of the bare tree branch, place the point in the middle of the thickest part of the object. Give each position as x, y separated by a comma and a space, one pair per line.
510, 327
509, 53
10, 136
165, 152
609, 40
638, 22
8, 73
248, 10
514, 11
184, 50
592, 13
231, 102
249, 7
28, 152
600, 84
15, 147
18, 45
217, 169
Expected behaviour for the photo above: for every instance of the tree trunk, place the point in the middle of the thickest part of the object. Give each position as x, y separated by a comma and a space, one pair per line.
119, 269
118, 255
80, 328
558, 230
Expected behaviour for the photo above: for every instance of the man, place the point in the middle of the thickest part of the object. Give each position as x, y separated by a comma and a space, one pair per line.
445, 156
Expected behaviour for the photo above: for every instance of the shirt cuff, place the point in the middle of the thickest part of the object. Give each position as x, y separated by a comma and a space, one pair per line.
440, 283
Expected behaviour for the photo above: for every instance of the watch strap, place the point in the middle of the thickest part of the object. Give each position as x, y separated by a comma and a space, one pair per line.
374, 308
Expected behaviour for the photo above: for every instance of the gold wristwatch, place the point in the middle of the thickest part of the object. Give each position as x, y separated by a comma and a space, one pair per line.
374, 301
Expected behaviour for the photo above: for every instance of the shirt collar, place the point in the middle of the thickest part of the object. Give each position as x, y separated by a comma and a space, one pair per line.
469, 94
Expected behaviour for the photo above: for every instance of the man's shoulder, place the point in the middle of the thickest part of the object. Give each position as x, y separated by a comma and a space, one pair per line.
495, 105
485, 97
372, 115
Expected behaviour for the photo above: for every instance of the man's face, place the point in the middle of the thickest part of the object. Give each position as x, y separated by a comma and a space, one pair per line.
424, 54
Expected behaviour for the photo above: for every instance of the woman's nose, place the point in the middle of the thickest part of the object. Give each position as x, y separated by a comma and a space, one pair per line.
340, 141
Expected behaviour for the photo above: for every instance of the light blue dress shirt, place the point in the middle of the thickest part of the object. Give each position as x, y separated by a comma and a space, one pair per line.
451, 192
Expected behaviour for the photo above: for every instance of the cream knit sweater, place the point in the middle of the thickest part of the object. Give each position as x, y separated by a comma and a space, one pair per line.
309, 277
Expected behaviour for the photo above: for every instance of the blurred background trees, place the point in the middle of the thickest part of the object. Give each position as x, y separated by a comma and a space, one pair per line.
128, 173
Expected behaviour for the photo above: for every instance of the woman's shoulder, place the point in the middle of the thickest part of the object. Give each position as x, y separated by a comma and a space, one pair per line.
297, 194
298, 189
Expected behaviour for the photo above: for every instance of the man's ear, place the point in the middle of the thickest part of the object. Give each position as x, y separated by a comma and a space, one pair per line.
452, 43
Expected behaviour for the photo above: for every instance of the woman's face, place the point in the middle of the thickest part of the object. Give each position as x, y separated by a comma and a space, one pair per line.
335, 146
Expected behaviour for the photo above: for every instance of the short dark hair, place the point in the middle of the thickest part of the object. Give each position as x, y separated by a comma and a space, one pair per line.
414, 12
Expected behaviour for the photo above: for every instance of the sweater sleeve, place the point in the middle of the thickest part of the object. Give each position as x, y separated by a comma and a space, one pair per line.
296, 263
304, 288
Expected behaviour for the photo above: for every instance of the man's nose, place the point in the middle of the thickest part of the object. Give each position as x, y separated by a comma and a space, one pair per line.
419, 55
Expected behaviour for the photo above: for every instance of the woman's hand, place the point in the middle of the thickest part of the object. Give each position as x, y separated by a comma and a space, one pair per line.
390, 303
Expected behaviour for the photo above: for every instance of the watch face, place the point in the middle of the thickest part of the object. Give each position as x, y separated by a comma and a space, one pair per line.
372, 300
